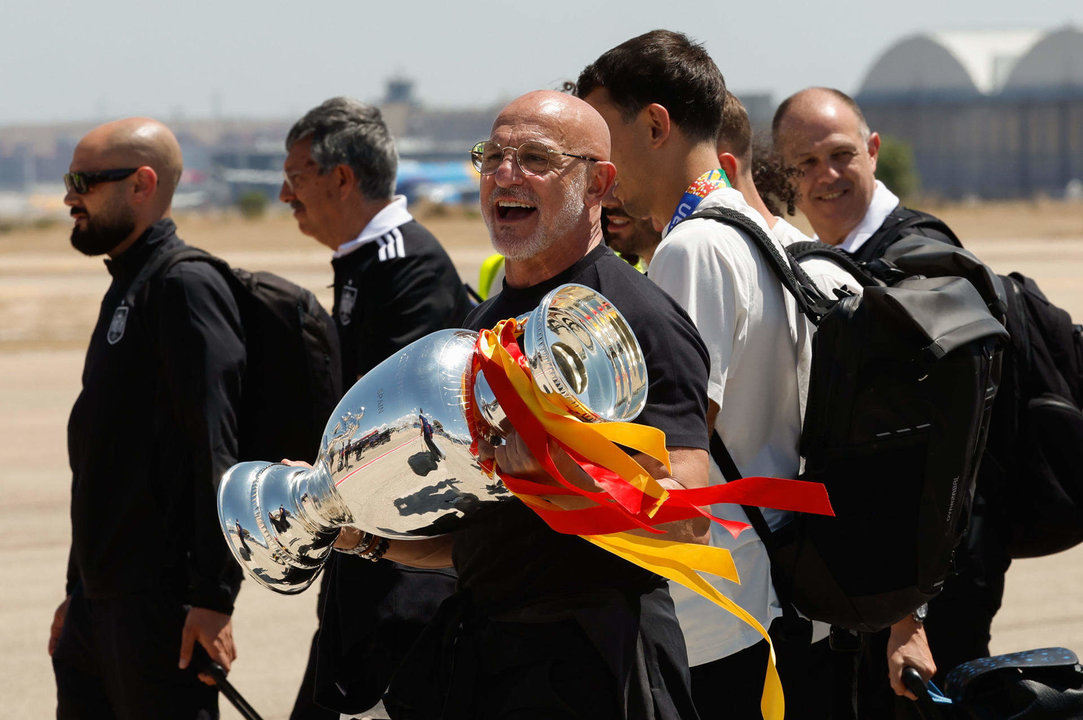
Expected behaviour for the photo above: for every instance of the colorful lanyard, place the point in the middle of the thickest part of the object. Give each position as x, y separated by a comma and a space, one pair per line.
703, 186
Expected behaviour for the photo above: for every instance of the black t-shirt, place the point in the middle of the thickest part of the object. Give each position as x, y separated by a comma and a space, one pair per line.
507, 557
900, 222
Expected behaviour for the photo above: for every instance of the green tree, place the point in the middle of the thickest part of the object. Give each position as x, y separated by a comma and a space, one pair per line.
252, 204
895, 167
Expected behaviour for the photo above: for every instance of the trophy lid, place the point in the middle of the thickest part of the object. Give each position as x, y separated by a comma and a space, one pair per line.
581, 347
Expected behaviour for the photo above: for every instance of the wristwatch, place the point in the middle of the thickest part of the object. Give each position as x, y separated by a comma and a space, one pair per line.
920, 613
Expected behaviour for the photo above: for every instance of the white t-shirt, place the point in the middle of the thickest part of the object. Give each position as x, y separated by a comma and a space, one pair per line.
826, 274
750, 326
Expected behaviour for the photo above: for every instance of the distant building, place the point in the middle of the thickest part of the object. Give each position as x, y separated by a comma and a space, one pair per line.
433, 147
995, 114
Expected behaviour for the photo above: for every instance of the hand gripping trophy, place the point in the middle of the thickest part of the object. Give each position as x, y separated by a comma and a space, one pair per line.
398, 457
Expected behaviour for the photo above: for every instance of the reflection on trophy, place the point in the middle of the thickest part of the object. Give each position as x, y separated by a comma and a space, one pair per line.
395, 459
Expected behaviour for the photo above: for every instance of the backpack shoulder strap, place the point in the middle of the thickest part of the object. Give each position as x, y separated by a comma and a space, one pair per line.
799, 251
161, 263
721, 455
812, 303
895, 227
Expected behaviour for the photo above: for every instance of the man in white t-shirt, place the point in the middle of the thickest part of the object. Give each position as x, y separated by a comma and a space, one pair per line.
735, 158
662, 96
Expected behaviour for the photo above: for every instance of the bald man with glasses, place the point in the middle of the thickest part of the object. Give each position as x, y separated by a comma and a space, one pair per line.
546, 624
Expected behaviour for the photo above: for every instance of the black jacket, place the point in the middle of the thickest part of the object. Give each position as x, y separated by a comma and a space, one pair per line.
153, 430
393, 291
389, 292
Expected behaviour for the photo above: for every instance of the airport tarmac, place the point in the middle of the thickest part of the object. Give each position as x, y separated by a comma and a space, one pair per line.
49, 298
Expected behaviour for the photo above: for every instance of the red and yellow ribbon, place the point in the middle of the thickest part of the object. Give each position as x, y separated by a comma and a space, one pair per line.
629, 496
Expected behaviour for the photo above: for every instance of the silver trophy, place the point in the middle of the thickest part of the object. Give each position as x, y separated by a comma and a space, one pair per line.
395, 459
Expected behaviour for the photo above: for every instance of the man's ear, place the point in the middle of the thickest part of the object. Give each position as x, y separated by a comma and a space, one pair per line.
145, 186
728, 163
658, 123
602, 176
874, 148
345, 180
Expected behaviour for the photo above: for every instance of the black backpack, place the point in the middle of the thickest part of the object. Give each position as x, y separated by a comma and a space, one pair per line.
1038, 425
900, 222
901, 388
292, 380
1034, 460
1044, 684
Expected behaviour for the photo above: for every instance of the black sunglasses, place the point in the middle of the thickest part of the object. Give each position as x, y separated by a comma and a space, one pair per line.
81, 182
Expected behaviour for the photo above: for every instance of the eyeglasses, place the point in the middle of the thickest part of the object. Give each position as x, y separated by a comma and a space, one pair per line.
290, 179
533, 158
81, 182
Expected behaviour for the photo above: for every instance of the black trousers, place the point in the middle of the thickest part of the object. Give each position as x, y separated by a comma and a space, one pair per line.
731, 687
370, 615
961, 616
812, 682
117, 658
617, 658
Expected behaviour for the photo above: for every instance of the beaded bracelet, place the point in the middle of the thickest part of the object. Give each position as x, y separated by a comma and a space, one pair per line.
377, 552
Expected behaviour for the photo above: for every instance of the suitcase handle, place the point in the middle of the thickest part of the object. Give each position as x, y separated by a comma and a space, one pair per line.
929, 698
226, 688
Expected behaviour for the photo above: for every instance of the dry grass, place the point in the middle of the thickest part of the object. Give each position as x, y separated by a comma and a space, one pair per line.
49, 294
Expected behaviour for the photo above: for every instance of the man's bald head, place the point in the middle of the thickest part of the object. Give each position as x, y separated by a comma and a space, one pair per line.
817, 103
136, 142
112, 212
821, 133
574, 125
543, 222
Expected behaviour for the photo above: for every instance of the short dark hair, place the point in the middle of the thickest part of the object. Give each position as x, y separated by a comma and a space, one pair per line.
663, 67
347, 132
845, 99
736, 134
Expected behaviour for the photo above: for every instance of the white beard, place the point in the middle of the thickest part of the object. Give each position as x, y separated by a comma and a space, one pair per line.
559, 225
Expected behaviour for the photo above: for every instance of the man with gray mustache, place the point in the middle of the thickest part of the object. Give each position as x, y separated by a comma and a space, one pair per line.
394, 284
546, 624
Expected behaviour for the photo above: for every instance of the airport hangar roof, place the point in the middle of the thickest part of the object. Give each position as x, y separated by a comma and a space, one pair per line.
982, 62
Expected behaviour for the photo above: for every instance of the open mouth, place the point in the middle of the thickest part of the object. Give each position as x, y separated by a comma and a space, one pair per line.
512, 210
832, 195
617, 225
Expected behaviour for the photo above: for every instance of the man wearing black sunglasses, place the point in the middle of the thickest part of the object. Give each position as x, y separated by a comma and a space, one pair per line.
151, 431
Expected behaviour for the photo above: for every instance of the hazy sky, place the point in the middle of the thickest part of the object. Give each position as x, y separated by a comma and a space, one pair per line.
96, 59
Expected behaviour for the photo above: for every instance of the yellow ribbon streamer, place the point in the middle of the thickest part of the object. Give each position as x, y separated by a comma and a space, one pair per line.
679, 563
592, 440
